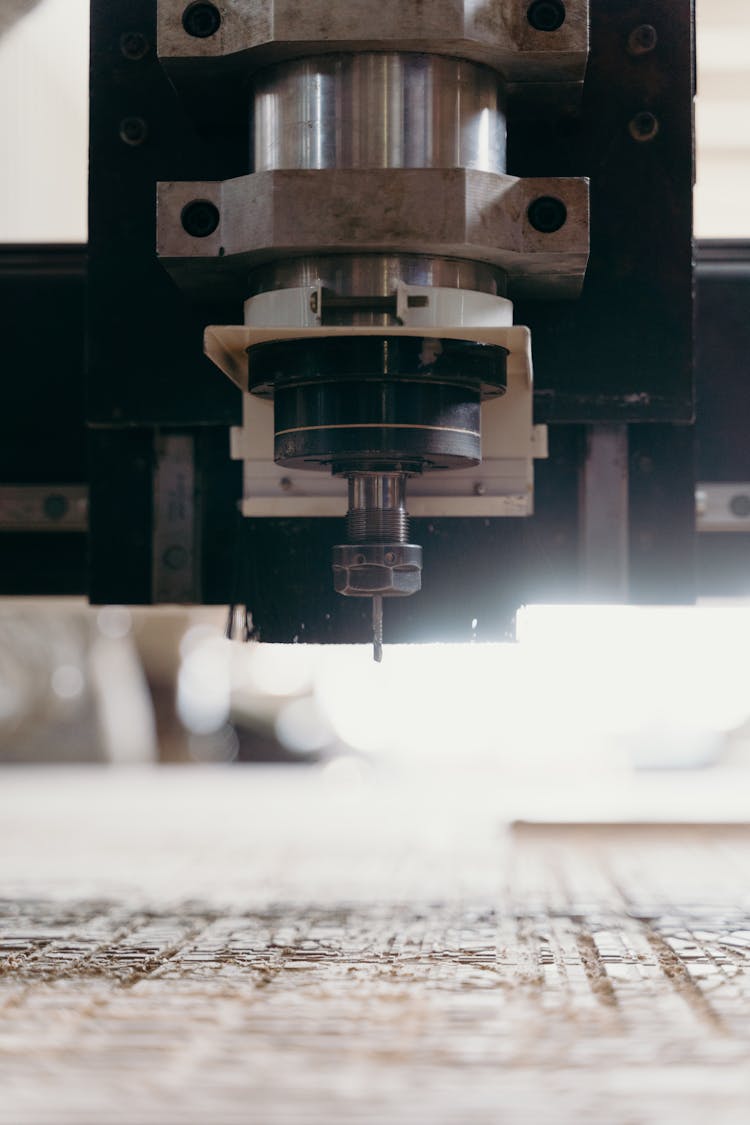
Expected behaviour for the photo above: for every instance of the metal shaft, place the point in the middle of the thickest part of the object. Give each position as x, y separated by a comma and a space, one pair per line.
377, 514
379, 110
377, 508
377, 628
386, 109
375, 110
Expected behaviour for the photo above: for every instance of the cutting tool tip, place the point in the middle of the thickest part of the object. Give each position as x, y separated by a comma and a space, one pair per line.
377, 628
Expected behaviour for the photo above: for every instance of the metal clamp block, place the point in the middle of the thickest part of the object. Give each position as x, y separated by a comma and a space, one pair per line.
723, 506
449, 213
248, 34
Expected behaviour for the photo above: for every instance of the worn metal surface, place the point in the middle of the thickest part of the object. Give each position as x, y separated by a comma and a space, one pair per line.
176, 531
37, 507
252, 949
451, 213
132, 516
259, 32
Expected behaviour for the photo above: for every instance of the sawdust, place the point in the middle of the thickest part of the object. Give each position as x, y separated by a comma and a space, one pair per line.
596, 970
589, 976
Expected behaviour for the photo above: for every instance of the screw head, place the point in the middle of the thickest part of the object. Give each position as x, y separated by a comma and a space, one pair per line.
644, 126
200, 218
133, 45
201, 20
133, 131
55, 506
546, 15
642, 39
739, 505
175, 557
547, 214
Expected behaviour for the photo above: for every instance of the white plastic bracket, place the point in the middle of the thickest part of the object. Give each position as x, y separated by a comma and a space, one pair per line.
502, 485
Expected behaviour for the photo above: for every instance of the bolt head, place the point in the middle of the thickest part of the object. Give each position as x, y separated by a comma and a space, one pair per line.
56, 506
133, 45
739, 505
392, 570
201, 20
546, 15
133, 131
642, 39
176, 557
644, 126
547, 214
200, 218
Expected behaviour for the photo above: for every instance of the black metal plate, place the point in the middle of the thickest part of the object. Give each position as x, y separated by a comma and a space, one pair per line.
42, 428
623, 352
723, 409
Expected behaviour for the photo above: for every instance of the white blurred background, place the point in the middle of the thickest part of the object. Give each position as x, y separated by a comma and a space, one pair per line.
585, 692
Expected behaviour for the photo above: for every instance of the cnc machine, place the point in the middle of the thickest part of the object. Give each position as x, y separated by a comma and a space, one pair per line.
391, 302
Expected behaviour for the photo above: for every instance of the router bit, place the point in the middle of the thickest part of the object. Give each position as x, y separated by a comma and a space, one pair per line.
377, 628
378, 561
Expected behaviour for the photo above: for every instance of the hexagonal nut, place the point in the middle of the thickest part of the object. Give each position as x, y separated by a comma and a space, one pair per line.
256, 33
481, 216
393, 570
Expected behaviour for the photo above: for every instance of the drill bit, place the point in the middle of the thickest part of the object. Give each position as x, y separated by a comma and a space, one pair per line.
377, 628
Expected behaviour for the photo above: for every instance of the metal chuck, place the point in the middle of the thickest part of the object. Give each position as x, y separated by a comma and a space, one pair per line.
378, 561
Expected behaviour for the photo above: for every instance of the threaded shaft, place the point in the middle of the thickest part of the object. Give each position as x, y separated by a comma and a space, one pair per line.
377, 525
377, 508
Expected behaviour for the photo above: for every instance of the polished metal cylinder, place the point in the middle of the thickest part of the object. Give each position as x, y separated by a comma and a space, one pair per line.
377, 275
373, 275
377, 508
378, 110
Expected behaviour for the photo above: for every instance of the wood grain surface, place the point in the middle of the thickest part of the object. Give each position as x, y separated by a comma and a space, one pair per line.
189, 947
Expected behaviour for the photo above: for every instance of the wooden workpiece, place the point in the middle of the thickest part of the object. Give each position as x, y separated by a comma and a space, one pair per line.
298, 946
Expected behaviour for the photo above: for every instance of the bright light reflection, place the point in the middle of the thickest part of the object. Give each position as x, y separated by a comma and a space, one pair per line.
114, 621
302, 728
67, 681
645, 662
197, 636
279, 669
204, 685
586, 687
11, 699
